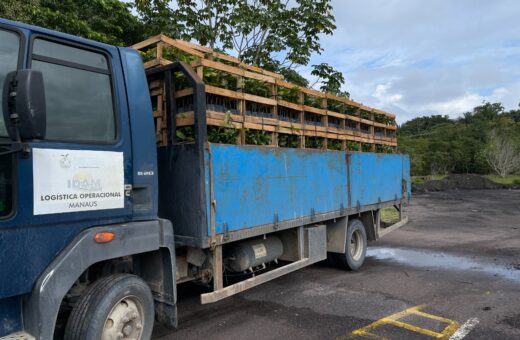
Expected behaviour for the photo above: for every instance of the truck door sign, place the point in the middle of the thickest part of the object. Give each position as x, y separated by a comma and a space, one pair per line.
77, 180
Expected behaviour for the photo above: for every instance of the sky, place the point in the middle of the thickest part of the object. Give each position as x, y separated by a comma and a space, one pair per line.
418, 57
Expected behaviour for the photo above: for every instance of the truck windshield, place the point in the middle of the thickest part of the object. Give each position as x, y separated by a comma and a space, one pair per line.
9, 49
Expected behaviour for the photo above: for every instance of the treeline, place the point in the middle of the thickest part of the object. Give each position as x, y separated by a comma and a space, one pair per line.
276, 35
483, 141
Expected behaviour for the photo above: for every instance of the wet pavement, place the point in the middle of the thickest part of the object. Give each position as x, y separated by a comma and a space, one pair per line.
443, 262
453, 271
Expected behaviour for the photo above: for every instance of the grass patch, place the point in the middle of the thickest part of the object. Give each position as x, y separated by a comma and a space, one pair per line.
422, 179
508, 180
389, 215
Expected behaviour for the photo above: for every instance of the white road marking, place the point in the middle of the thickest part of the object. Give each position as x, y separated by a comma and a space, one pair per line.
464, 329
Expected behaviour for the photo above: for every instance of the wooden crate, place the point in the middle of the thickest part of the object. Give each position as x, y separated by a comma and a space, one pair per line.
261, 106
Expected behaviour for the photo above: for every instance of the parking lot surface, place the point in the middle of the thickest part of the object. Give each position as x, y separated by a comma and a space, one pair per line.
452, 271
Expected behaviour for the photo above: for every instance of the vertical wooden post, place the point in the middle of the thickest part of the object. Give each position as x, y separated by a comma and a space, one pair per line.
372, 132
274, 95
325, 121
343, 130
302, 120
242, 108
159, 51
200, 72
358, 123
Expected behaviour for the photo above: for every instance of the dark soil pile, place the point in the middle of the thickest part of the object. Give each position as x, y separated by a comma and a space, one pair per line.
459, 182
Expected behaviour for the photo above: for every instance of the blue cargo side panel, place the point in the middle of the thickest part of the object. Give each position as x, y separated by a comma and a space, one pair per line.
376, 177
257, 185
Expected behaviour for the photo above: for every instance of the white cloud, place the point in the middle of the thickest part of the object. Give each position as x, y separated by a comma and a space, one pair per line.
439, 57
384, 96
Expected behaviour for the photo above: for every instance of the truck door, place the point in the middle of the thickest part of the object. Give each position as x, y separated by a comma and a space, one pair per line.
75, 177
86, 140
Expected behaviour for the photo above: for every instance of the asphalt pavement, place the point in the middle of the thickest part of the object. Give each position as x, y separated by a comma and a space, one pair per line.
452, 272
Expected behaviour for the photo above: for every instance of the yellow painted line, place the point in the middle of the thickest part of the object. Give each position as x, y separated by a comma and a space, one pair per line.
394, 320
415, 329
434, 317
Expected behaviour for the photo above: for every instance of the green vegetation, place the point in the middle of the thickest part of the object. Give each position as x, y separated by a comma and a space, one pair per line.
314, 142
422, 179
439, 145
109, 21
276, 35
222, 135
334, 144
257, 137
288, 141
389, 215
508, 180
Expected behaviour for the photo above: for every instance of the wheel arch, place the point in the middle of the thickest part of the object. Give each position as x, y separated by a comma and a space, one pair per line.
337, 229
145, 241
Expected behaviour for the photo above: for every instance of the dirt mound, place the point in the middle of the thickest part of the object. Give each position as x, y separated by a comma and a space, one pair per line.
458, 182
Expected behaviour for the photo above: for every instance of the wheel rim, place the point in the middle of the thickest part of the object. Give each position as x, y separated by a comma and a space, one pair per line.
356, 245
125, 320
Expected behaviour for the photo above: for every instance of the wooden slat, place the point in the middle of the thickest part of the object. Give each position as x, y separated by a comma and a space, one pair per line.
185, 119
222, 116
184, 92
156, 62
289, 131
261, 120
182, 47
147, 42
314, 110
258, 99
239, 95
235, 70
261, 127
223, 92
192, 46
336, 114
297, 107
218, 122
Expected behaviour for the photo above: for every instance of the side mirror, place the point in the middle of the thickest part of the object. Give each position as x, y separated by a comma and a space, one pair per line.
24, 105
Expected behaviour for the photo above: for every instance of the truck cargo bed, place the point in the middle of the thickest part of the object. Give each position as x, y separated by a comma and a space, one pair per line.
252, 190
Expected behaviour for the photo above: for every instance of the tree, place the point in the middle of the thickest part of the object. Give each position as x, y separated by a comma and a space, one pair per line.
19, 10
276, 35
109, 21
502, 154
330, 79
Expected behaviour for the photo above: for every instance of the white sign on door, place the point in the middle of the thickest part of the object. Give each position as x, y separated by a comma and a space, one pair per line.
77, 180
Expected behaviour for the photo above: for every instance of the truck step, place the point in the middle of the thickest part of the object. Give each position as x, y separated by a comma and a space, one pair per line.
18, 336
252, 282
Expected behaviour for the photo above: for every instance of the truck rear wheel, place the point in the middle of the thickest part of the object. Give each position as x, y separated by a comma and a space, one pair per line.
356, 247
118, 306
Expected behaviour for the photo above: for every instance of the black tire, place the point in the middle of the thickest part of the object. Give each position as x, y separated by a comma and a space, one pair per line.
353, 259
116, 295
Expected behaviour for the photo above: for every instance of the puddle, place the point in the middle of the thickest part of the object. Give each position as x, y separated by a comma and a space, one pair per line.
443, 261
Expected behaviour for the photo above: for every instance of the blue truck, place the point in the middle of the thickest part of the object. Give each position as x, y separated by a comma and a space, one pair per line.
98, 225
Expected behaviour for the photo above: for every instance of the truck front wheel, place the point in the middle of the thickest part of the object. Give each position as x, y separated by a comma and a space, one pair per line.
356, 246
118, 306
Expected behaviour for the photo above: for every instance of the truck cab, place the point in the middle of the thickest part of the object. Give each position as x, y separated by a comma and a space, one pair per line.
76, 172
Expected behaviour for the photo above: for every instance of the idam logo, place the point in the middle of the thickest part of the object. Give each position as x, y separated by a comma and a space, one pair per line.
85, 182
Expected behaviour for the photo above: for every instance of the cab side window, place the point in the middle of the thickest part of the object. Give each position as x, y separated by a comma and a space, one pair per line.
78, 92
9, 50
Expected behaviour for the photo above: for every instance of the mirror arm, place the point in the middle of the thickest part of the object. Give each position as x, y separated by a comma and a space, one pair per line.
17, 147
